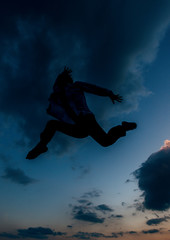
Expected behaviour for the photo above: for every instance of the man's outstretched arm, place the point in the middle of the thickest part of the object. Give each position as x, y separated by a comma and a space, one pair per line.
100, 91
116, 97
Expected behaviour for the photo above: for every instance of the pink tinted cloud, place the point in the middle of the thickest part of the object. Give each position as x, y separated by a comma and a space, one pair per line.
166, 145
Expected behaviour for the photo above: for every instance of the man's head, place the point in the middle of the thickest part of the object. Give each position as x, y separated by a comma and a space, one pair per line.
64, 78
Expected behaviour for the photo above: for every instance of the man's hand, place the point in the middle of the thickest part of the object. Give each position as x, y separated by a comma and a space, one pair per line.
116, 97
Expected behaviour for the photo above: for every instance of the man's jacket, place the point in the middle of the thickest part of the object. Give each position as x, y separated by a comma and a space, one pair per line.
68, 103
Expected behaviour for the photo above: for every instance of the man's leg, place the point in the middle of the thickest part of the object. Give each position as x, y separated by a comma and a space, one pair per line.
107, 139
52, 126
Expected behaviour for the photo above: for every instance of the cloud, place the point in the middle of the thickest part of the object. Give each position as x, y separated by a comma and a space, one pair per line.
89, 212
69, 226
118, 234
37, 233
86, 211
156, 221
119, 216
138, 205
151, 231
84, 202
18, 176
107, 43
87, 235
103, 208
92, 194
132, 232
153, 180
60, 233
166, 145
88, 216
116, 216
123, 204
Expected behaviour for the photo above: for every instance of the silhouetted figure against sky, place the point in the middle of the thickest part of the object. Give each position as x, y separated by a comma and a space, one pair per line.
68, 105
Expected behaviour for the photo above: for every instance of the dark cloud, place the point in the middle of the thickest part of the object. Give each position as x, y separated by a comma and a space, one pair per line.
69, 226
116, 235
150, 231
156, 221
87, 211
128, 181
119, 216
103, 208
60, 234
88, 216
116, 216
153, 180
37, 233
18, 176
106, 42
132, 232
87, 235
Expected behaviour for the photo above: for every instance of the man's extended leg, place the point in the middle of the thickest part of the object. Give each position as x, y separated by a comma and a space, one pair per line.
107, 139
52, 126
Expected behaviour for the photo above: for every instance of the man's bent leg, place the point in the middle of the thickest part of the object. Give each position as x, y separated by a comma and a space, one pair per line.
48, 133
107, 139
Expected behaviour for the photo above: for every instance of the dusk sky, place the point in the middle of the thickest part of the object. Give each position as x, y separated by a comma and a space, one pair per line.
79, 189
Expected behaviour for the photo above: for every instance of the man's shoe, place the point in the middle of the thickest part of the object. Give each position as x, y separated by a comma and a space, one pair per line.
129, 125
35, 152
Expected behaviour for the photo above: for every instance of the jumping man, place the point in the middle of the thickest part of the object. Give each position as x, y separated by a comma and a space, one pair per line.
68, 105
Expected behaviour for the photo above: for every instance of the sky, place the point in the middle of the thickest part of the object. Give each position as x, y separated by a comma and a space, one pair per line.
79, 189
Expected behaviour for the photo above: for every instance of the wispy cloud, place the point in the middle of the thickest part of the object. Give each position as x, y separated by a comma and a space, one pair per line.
92, 194
18, 176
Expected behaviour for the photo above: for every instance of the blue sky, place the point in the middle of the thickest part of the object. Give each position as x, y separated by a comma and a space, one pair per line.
78, 189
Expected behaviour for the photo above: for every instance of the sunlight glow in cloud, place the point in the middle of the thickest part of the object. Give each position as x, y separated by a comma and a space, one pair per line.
166, 145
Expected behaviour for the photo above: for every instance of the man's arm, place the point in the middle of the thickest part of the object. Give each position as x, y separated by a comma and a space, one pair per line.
91, 88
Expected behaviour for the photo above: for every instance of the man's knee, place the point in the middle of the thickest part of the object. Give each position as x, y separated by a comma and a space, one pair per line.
106, 143
51, 124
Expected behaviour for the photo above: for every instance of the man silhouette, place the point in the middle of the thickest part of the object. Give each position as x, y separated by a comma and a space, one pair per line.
68, 105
